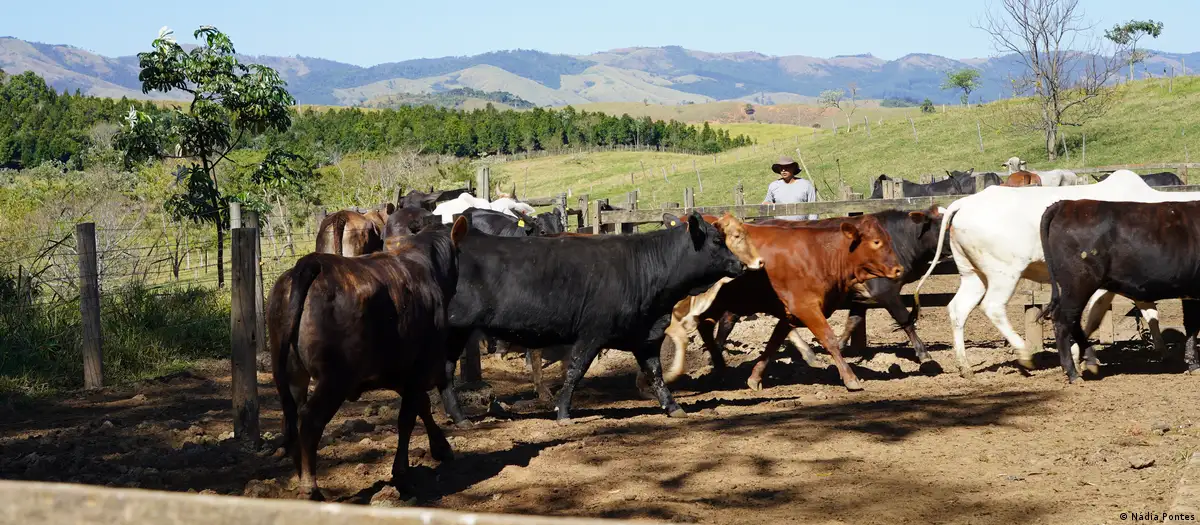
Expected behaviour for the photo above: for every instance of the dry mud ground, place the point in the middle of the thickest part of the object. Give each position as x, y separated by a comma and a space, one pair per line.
1007, 447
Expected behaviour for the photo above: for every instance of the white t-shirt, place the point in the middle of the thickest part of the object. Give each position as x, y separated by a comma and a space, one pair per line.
799, 190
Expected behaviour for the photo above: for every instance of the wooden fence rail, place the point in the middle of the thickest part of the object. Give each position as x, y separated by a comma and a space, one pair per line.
34, 503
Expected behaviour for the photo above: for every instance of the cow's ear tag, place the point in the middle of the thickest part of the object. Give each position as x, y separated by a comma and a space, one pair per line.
673, 223
520, 223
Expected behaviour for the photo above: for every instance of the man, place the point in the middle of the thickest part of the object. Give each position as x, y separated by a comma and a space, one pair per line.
789, 189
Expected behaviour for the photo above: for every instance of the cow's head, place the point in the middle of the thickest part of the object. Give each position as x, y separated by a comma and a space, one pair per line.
708, 242
550, 223
407, 221
1014, 164
871, 254
738, 241
877, 187
925, 226
528, 225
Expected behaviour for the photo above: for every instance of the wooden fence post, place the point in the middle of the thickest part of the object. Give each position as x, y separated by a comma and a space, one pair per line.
979, 181
483, 181
318, 218
914, 128
596, 220
583, 207
1034, 335
739, 198
689, 198
89, 305
242, 328
560, 205
260, 317
235, 215
979, 131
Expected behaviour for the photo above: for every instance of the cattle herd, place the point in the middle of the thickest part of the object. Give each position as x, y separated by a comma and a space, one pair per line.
391, 298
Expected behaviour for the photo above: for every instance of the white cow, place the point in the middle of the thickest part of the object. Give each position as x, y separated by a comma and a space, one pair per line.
1058, 177
508, 206
996, 241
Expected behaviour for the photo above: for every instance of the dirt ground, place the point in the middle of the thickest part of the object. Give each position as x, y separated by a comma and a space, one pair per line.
914, 447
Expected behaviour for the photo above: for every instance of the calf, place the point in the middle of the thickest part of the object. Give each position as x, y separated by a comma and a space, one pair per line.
914, 241
1023, 178
348, 233
1145, 251
809, 271
550, 223
611, 291
363, 323
685, 314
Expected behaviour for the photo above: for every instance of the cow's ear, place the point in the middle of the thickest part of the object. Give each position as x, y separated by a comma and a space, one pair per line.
696, 229
390, 208
971, 171
670, 221
918, 217
459, 230
851, 231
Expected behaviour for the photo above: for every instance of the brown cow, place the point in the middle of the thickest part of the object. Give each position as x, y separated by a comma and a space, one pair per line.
808, 274
349, 233
1023, 178
363, 323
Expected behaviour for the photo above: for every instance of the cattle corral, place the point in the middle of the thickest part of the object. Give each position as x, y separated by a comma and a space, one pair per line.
916, 446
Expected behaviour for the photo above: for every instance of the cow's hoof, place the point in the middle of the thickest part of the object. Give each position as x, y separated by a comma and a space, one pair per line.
1192, 368
677, 413
464, 424
440, 451
1092, 367
966, 372
564, 421
314, 495
1026, 362
754, 384
853, 385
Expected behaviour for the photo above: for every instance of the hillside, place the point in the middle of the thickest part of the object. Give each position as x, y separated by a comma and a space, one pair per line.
1154, 126
668, 75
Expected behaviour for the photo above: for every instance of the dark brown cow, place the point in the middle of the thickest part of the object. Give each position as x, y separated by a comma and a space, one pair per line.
363, 323
350, 234
1023, 178
407, 221
808, 273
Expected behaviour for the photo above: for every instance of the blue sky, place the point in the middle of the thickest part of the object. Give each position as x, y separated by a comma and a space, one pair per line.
373, 31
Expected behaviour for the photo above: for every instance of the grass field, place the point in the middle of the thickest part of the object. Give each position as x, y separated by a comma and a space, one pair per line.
1146, 124
734, 112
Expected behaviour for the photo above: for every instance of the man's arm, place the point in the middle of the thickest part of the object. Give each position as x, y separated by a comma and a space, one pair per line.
770, 198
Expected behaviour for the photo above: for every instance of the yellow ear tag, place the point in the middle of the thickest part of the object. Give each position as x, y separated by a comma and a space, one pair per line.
520, 223
673, 223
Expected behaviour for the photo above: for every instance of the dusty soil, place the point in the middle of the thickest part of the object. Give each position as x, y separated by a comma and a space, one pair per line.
914, 447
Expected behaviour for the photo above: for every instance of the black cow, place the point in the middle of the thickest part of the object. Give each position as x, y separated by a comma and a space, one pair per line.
959, 183
356, 324
1164, 178
493, 222
914, 240
550, 223
430, 200
589, 292
1144, 251
408, 221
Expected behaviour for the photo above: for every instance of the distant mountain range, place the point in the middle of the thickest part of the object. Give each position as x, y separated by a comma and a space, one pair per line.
662, 75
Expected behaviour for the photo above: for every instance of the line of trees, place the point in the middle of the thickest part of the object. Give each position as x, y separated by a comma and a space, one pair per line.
489, 131
38, 124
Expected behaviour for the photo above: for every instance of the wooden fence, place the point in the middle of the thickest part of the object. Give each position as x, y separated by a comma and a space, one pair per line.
34, 503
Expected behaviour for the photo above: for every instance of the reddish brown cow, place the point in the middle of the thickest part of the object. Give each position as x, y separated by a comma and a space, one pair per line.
350, 234
808, 273
363, 323
1023, 178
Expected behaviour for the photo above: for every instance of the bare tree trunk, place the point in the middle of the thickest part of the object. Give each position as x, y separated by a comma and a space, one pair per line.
1051, 140
220, 256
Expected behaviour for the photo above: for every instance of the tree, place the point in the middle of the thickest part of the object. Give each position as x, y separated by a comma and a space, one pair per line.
965, 80
852, 90
831, 98
1067, 74
1129, 33
749, 109
228, 100
927, 106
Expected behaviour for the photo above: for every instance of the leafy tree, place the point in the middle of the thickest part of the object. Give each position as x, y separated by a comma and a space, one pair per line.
831, 98
965, 80
927, 106
228, 100
749, 109
1129, 33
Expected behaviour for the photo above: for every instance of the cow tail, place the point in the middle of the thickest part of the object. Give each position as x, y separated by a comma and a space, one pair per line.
339, 229
302, 276
937, 254
1051, 308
